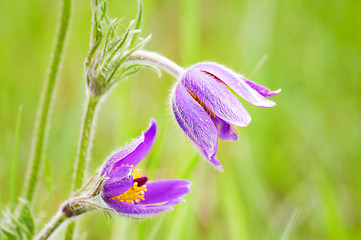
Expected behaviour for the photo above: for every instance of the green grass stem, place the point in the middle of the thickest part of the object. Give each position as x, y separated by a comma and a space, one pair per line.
42, 121
83, 153
14, 164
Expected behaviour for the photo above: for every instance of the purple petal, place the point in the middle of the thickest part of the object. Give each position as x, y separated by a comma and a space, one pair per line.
216, 163
134, 152
222, 102
120, 180
226, 132
235, 82
165, 191
196, 123
136, 210
264, 91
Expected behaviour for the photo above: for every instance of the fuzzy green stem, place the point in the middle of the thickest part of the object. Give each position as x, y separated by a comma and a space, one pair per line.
81, 161
157, 60
71, 208
84, 142
40, 132
55, 222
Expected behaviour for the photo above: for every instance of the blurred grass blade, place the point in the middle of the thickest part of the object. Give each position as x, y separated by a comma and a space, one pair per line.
14, 164
291, 224
191, 166
152, 235
258, 66
234, 208
190, 31
141, 229
179, 223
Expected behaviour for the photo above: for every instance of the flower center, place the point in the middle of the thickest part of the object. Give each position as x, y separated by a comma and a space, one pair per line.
135, 193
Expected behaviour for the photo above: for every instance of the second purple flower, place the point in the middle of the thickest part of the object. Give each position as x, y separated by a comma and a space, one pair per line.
129, 192
206, 110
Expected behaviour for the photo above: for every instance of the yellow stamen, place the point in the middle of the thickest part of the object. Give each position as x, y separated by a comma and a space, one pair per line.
135, 193
136, 173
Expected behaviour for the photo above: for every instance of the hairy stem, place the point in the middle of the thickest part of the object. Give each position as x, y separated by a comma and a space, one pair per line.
157, 60
40, 132
81, 161
54, 223
71, 208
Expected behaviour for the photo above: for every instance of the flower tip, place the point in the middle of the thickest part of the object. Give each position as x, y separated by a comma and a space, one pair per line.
152, 122
277, 91
135, 151
187, 185
167, 207
245, 122
152, 130
269, 104
179, 200
214, 161
271, 93
248, 122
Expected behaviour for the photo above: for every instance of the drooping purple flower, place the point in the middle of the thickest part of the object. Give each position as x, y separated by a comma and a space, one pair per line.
128, 192
206, 109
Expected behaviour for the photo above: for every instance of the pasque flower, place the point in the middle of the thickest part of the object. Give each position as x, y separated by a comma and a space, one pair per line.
128, 192
206, 109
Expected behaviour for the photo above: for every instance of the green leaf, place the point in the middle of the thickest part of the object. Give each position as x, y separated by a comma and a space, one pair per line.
6, 233
138, 23
26, 219
155, 69
17, 226
120, 44
119, 63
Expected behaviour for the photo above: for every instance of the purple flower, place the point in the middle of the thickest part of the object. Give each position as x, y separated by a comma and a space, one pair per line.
128, 192
206, 109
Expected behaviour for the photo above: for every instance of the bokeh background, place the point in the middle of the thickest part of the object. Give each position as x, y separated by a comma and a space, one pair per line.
294, 173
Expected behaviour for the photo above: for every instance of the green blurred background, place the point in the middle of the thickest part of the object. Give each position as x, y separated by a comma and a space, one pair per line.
294, 173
